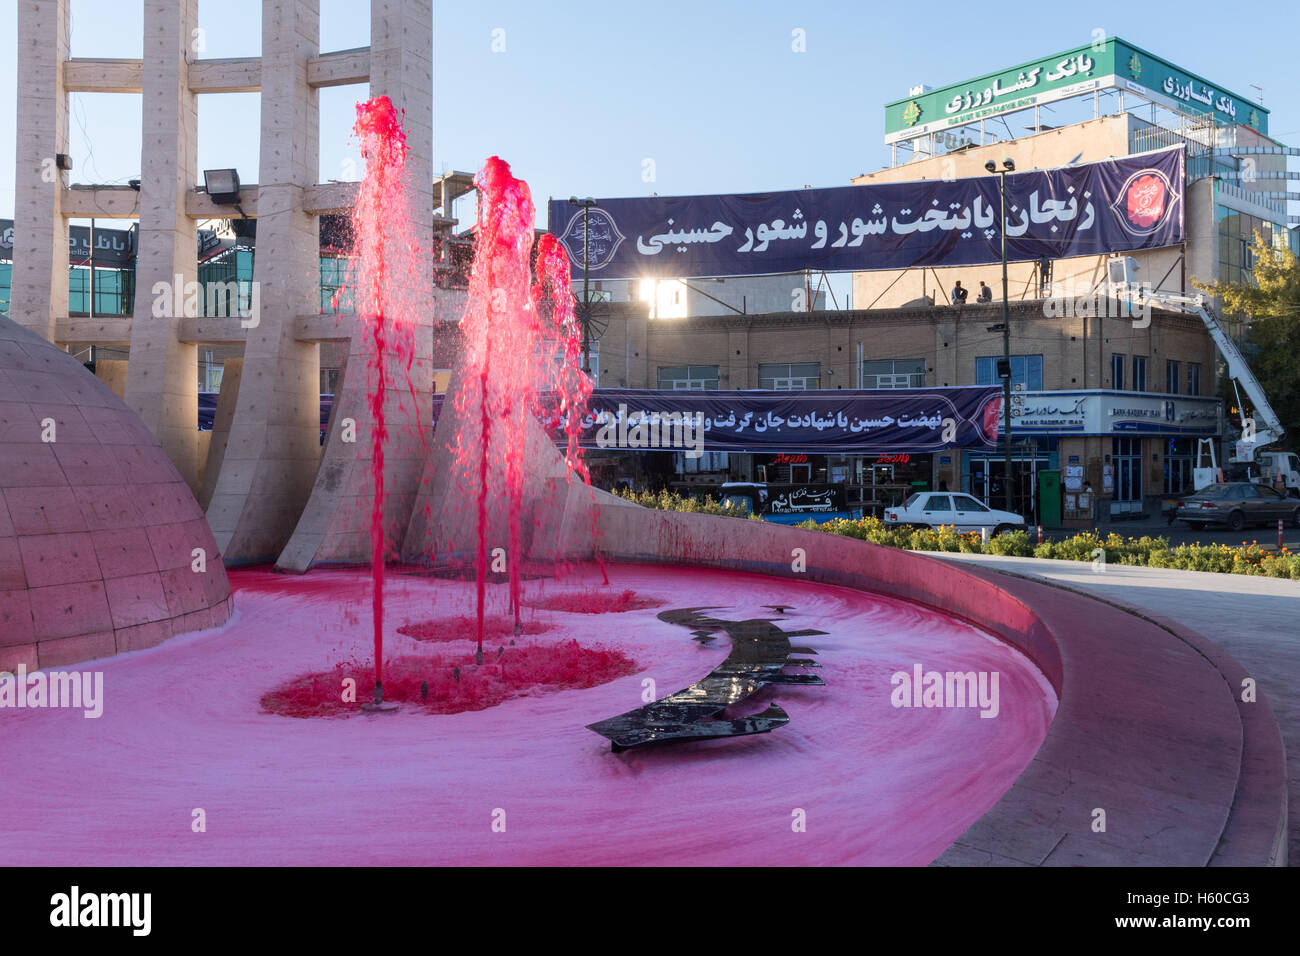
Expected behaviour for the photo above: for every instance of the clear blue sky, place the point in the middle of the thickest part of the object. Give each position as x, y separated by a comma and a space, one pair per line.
711, 91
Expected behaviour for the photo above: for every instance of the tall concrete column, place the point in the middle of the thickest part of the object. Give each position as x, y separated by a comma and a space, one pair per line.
162, 374
334, 526
40, 275
273, 451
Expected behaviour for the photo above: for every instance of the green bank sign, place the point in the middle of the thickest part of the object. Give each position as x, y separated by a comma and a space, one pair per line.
1109, 64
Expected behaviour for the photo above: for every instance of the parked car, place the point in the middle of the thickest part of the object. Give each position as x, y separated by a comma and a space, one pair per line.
933, 508
1237, 504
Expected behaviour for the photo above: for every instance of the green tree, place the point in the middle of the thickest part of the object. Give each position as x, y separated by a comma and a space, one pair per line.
1271, 304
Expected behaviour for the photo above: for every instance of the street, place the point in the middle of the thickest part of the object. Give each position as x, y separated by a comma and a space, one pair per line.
1179, 533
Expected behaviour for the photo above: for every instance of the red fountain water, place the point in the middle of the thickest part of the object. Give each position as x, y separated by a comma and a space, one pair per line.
382, 245
519, 343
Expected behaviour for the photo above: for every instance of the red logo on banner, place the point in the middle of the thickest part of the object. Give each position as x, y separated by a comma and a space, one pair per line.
991, 416
1146, 201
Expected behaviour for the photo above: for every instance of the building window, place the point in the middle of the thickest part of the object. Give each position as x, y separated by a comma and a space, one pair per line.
1171, 376
1139, 373
1193, 378
893, 373
1026, 370
679, 378
799, 375
1116, 370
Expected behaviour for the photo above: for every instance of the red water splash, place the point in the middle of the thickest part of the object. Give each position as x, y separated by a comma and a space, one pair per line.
596, 602
382, 236
447, 629
455, 683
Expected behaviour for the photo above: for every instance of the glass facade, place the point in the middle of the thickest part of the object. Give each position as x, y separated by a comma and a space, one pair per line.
113, 291
334, 274
1236, 235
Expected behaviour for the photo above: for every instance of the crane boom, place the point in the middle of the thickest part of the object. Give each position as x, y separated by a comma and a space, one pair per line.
1238, 369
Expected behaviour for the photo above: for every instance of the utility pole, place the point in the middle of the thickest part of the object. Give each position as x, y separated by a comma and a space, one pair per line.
1005, 370
584, 310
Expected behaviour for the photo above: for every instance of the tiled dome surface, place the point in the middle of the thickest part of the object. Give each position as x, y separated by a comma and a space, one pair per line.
97, 528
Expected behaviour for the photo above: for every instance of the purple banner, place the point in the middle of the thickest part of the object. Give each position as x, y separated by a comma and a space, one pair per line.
829, 420
1112, 206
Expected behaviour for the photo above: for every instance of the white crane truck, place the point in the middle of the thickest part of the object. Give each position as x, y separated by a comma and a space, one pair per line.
1262, 467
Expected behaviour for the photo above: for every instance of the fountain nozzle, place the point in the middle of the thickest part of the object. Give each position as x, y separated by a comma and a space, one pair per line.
378, 706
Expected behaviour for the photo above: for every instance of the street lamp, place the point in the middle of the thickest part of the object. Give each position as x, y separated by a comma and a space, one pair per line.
1004, 367
585, 311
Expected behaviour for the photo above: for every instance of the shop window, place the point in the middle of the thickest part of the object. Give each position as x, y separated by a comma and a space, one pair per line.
679, 378
799, 375
893, 373
709, 461
1126, 458
1178, 471
1026, 370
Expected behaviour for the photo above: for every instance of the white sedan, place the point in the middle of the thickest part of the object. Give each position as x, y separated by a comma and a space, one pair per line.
954, 509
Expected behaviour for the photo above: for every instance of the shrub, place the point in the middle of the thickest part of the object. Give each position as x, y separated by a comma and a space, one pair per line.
1145, 551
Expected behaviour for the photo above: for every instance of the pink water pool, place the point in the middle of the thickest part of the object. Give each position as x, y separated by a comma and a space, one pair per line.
852, 779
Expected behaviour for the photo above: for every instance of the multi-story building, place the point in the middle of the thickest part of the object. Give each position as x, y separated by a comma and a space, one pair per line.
1109, 400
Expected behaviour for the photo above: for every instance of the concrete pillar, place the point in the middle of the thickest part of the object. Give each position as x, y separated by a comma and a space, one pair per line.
269, 461
40, 274
162, 375
334, 526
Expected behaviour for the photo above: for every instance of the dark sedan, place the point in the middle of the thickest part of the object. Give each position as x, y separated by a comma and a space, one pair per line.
1237, 504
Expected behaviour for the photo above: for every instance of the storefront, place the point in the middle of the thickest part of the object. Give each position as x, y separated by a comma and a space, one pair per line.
1116, 452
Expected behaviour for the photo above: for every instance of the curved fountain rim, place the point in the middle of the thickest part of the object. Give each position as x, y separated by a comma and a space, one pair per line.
1118, 738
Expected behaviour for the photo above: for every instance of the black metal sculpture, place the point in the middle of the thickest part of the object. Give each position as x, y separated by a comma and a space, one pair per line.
760, 652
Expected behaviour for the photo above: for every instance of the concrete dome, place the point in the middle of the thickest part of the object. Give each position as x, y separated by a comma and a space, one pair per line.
97, 528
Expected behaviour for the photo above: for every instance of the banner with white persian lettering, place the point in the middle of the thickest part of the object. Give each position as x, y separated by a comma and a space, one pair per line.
857, 421
1113, 206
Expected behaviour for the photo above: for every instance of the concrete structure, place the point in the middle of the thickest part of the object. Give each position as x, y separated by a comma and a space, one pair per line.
258, 472
102, 547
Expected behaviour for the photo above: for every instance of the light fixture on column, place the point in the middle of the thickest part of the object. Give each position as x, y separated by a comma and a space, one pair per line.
222, 185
